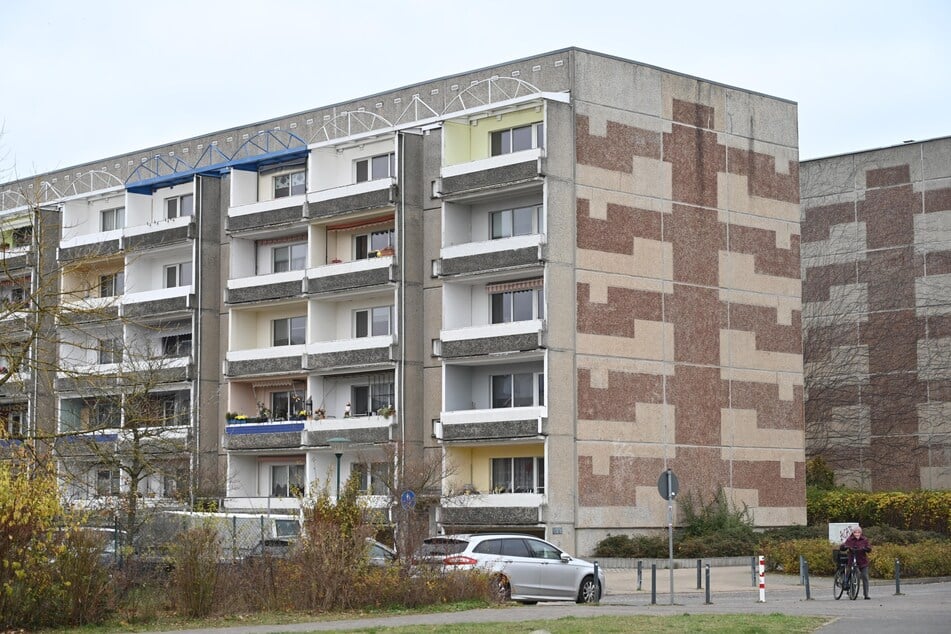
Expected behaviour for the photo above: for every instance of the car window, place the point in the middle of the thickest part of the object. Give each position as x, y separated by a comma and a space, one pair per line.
489, 547
378, 552
439, 547
541, 550
515, 548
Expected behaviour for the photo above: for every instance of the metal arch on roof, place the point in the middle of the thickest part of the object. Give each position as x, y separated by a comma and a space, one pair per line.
157, 167
413, 106
487, 91
211, 156
11, 199
269, 142
48, 193
349, 123
92, 181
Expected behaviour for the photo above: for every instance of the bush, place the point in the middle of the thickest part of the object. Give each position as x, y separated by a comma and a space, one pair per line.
924, 559
784, 555
719, 516
919, 510
643, 546
819, 475
724, 544
196, 556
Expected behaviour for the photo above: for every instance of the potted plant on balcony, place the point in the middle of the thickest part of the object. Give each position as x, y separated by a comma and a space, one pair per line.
387, 250
386, 411
264, 414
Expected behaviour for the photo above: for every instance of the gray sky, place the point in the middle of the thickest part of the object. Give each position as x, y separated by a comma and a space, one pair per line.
80, 81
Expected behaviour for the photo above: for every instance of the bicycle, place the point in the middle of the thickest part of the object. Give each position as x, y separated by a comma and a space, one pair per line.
847, 578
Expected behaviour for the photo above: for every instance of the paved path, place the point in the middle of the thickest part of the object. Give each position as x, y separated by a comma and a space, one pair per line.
921, 608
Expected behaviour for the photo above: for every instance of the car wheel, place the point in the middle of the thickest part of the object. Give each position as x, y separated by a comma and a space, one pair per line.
528, 602
503, 591
589, 592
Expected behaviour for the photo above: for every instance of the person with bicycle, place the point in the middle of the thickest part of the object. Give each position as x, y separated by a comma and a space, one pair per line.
857, 544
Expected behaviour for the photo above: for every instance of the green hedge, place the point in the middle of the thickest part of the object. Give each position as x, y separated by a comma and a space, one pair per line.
924, 559
918, 510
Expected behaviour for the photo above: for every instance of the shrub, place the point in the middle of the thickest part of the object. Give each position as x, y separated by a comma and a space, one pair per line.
819, 475
919, 510
718, 516
924, 559
784, 555
196, 557
644, 546
722, 544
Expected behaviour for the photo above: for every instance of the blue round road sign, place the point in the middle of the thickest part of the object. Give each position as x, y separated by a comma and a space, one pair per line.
408, 500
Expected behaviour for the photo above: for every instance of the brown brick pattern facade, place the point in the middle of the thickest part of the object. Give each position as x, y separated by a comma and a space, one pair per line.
688, 314
877, 315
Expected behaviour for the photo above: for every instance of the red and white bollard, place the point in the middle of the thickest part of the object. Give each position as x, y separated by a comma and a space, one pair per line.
762, 579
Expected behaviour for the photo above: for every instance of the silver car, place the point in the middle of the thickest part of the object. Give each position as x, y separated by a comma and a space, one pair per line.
524, 568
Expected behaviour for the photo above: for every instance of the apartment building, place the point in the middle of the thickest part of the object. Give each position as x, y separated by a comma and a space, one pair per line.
876, 302
557, 277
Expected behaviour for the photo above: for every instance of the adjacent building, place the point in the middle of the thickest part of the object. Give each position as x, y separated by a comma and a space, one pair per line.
557, 277
876, 306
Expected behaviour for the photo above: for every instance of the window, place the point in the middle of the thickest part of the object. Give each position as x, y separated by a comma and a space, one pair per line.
373, 322
368, 399
22, 236
12, 422
520, 305
177, 345
110, 351
517, 139
525, 389
290, 331
178, 275
112, 219
111, 285
373, 477
175, 411
286, 405
372, 242
521, 221
180, 206
374, 168
292, 184
107, 482
104, 414
291, 257
518, 475
287, 479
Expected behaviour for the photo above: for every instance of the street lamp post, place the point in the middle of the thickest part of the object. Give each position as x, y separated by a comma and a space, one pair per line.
338, 445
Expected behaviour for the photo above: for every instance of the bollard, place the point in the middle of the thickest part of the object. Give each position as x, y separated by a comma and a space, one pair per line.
653, 584
708, 601
897, 577
753, 569
805, 568
699, 581
640, 565
762, 579
802, 561
597, 582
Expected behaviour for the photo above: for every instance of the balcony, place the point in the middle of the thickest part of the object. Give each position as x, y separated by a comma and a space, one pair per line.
492, 424
375, 194
153, 234
359, 352
263, 435
271, 286
267, 360
348, 277
517, 336
162, 301
492, 255
266, 214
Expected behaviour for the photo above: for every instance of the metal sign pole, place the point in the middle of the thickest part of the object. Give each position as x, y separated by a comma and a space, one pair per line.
670, 533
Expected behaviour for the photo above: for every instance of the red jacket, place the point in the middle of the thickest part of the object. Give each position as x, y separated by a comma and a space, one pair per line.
862, 547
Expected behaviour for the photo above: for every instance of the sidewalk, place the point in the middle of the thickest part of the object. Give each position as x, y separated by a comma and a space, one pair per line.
722, 579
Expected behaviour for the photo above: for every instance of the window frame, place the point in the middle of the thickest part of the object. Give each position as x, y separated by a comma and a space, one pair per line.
367, 399
372, 476
178, 210
174, 345
285, 404
289, 484
508, 481
369, 164
372, 242
109, 350
537, 389
298, 263
510, 224
505, 313
182, 269
371, 321
113, 485
293, 188
506, 144
296, 331
117, 216
112, 284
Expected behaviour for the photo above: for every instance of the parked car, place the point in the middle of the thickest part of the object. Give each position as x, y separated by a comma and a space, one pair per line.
380, 555
524, 568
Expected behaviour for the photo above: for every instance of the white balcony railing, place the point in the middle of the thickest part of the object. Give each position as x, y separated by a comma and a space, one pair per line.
493, 330
157, 294
492, 246
266, 279
350, 189
492, 162
354, 266
270, 352
358, 343
267, 205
